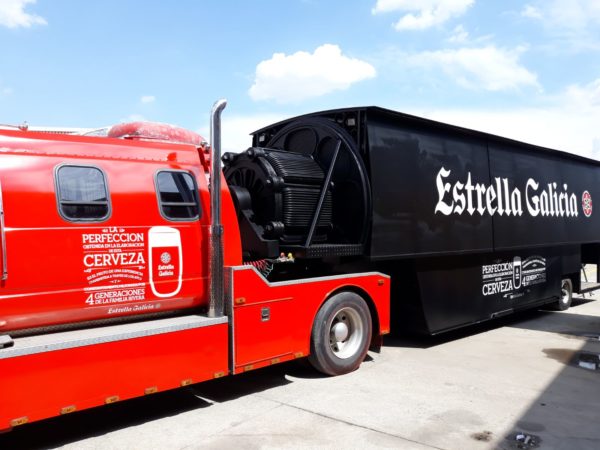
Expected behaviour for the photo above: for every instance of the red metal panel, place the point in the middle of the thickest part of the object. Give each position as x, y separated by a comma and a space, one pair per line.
42, 385
232, 243
292, 307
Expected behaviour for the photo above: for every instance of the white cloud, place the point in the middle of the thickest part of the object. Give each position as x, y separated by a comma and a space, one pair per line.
147, 99
422, 14
571, 22
568, 123
558, 128
489, 68
13, 15
302, 75
459, 35
531, 12
584, 97
565, 14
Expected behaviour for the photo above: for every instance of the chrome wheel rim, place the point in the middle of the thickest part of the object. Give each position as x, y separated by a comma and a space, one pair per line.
346, 333
564, 292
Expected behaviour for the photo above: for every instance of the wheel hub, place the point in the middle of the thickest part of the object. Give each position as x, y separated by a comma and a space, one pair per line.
346, 332
564, 293
340, 331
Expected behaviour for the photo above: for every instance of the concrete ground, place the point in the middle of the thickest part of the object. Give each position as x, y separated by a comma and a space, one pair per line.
475, 389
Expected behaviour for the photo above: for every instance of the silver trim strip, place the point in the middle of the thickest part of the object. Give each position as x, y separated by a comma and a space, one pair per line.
3, 239
310, 280
80, 338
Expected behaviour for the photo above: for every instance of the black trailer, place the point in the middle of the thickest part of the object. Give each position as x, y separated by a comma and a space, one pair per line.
471, 226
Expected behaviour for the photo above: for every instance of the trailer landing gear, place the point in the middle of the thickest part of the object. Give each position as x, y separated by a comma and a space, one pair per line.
341, 334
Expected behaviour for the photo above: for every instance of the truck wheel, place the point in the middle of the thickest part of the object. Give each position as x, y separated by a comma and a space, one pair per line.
341, 334
566, 295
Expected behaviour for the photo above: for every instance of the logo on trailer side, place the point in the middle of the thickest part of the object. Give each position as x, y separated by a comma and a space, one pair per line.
586, 203
498, 198
509, 277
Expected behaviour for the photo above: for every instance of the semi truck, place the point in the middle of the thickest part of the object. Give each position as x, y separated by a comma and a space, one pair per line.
144, 260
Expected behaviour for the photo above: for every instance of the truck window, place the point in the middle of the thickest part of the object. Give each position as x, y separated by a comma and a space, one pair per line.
82, 194
177, 195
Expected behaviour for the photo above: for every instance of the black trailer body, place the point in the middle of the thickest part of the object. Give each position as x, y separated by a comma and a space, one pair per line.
471, 226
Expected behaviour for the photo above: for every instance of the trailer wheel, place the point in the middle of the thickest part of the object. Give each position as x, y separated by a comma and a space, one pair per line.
341, 334
566, 295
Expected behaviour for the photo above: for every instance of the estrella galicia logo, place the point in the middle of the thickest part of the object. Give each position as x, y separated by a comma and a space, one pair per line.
586, 203
165, 258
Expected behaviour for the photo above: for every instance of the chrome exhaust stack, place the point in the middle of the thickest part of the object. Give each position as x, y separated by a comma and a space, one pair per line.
215, 264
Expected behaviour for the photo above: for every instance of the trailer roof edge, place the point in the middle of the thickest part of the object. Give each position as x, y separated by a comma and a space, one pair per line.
436, 123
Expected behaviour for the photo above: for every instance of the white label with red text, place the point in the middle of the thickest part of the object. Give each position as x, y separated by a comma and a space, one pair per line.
166, 261
114, 264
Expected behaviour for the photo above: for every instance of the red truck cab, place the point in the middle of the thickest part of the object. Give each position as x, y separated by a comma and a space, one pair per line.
101, 228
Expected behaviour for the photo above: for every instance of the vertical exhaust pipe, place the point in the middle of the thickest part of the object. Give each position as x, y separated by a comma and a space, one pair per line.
215, 264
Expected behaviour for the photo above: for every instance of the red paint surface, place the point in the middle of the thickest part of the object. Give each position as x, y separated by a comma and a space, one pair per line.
39, 386
293, 308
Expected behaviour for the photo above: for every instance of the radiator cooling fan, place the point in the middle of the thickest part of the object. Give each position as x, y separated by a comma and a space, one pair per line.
305, 192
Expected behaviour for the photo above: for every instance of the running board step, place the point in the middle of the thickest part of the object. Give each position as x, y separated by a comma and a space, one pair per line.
79, 338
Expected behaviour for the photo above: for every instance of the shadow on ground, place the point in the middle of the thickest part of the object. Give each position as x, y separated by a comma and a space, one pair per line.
565, 415
98, 421
529, 319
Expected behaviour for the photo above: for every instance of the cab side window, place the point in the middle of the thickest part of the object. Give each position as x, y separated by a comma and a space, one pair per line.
82, 194
177, 195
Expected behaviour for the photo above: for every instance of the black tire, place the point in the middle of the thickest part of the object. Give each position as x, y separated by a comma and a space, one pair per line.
341, 334
566, 295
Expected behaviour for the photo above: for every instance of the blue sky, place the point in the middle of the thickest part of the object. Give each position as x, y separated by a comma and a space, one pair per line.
529, 70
